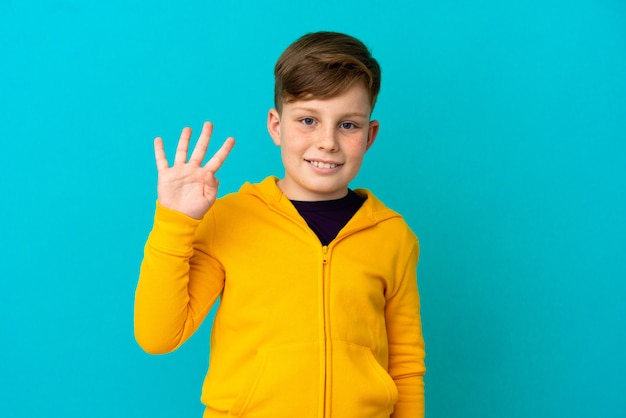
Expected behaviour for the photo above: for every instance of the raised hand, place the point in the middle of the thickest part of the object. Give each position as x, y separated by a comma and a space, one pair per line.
187, 186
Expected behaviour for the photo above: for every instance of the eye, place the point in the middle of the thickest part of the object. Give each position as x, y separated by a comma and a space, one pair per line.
348, 125
307, 121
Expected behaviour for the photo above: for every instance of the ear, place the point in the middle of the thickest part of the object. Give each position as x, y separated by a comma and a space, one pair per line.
372, 133
273, 126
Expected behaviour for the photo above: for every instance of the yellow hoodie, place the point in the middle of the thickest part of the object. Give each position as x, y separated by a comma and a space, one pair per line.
302, 330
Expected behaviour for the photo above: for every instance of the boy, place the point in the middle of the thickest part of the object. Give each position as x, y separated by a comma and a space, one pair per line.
319, 309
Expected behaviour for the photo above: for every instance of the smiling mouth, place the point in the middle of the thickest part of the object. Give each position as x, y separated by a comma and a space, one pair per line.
320, 164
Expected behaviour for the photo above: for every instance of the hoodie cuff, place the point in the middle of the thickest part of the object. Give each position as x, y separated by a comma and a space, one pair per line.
172, 231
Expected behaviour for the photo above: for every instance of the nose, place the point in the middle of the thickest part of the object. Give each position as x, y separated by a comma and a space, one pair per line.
327, 140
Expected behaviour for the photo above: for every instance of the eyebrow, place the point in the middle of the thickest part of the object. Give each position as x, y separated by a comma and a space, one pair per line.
344, 115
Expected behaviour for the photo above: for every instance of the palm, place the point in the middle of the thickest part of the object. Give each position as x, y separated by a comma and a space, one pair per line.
187, 186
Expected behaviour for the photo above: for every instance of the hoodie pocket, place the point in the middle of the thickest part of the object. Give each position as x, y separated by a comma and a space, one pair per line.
285, 384
360, 386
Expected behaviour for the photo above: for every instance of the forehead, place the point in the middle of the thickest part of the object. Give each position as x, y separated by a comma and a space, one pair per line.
354, 100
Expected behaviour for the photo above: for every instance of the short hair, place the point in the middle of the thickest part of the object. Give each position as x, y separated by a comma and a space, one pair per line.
322, 65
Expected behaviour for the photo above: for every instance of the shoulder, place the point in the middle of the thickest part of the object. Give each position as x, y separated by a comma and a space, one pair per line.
249, 202
266, 191
384, 216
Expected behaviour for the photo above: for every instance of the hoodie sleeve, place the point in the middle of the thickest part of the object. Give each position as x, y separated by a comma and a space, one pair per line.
406, 343
178, 282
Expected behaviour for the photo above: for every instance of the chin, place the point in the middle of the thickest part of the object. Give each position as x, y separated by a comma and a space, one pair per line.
329, 193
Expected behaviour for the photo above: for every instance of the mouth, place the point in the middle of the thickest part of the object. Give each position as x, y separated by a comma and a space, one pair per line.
323, 164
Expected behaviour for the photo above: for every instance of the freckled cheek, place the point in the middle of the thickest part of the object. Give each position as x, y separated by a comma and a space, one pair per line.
292, 155
356, 151
295, 148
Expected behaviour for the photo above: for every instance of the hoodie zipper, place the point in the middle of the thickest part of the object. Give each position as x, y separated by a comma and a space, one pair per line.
325, 326
326, 345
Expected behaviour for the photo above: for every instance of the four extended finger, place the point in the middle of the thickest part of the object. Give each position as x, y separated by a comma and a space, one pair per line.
159, 154
202, 145
219, 157
183, 146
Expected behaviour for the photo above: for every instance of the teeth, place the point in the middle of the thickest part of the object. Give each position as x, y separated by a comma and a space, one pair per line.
320, 164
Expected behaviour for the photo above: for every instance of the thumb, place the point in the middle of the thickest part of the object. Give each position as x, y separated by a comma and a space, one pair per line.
210, 181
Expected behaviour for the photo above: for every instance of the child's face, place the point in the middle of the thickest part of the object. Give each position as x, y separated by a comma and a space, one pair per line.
322, 143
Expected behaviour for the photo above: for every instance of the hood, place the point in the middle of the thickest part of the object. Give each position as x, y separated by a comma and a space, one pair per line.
373, 210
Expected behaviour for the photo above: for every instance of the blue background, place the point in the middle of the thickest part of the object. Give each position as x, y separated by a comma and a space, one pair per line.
503, 131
